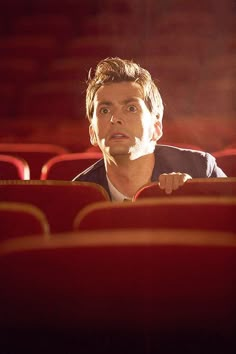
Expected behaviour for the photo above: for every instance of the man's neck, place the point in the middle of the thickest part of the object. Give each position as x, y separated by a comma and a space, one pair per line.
129, 175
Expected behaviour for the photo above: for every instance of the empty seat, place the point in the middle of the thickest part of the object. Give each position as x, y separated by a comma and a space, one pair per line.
19, 71
12, 167
40, 47
60, 201
195, 186
100, 46
71, 7
55, 25
34, 154
22, 219
168, 289
117, 23
208, 213
89, 46
67, 166
9, 99
226, 159
71, 68
53, 98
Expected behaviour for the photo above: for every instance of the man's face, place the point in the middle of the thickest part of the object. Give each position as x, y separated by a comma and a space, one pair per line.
121, 123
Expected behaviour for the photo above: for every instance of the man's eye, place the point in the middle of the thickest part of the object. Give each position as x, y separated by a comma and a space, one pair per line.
132, 108
104, 110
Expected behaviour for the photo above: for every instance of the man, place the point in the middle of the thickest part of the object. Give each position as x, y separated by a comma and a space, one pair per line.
125, 111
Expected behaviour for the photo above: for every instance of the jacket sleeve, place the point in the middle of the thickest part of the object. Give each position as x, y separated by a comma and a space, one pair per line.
212, 169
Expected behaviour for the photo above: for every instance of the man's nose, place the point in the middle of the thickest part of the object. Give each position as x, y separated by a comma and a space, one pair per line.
116, 119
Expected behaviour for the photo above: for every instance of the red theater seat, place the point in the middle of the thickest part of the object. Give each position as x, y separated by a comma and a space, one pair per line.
40, 47
60, 201
226, 159
19, 71
71, 68
195, 186
67, 166
13, 168
172, 288
34, 154
88, 46
9, 98
21, 219
56, 25
53, 98
203, 213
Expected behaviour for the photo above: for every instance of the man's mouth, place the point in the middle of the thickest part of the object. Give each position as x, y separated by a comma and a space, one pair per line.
118, 136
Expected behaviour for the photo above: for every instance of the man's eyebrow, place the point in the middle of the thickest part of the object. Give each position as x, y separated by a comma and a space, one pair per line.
104, 103
131, 99
126, 101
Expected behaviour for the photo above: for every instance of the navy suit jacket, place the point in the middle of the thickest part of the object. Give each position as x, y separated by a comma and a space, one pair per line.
197, 164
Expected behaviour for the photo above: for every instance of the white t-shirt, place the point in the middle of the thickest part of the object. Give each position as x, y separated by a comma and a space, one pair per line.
115, 194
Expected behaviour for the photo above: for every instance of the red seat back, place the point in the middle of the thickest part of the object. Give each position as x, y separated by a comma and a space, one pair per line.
196, 186
21, 219
60, 201
208, 213
34, 154
226, 159
13, 168
67, 166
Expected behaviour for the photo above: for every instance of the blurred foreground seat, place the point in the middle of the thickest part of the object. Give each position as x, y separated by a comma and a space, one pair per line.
60, 201
21, 219
126, 289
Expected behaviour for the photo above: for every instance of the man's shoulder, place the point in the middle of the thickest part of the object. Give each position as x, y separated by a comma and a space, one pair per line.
162, 149
197, 163
92, 173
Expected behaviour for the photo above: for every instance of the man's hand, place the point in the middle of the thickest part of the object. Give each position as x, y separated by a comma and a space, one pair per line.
172, 181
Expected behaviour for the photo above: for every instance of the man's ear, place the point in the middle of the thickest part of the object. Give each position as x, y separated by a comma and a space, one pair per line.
157, 132
93, 138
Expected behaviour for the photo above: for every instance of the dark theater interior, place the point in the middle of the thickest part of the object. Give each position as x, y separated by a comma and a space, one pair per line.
160, 276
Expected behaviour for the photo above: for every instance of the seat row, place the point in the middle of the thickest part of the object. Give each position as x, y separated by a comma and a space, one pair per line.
50, 162
58, 207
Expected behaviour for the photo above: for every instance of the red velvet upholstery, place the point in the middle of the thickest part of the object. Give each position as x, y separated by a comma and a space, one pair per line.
196, 186
67, 166
208, 213
60, 201
12, 167
21, 219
